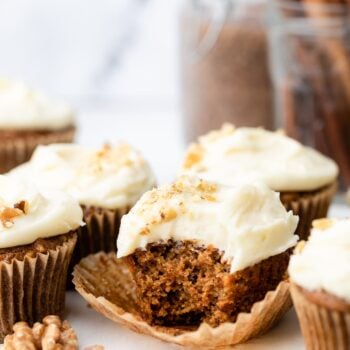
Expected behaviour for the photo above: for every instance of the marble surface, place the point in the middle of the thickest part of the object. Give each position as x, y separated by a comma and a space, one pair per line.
125, 49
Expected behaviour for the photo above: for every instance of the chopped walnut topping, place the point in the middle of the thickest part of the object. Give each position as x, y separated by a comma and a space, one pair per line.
106, 148
7, 215
322, 224
52, 334
300, 247
168, 215
23, 206
208, 197
206, 187
194, 155
145, 231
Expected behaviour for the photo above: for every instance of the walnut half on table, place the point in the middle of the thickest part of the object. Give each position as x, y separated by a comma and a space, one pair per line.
51, 334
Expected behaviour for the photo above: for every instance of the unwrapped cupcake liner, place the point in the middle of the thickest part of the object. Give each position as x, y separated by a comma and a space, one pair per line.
18, 150
309, 207
322, 327
34, 287
107, 285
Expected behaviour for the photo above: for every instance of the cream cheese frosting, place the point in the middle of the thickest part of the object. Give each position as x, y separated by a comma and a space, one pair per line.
23, 108
27, 214
247, 222
323, 264
110, 177
230, 154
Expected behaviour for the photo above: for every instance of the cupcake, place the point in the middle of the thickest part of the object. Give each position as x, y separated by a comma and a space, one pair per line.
320, 285
106, 182
27, 119
305, 179
37, 239
204, 253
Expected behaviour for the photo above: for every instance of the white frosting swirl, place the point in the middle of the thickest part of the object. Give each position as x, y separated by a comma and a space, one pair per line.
110, 177
48, 213
22, 108
247, 222
323, 264
230, 154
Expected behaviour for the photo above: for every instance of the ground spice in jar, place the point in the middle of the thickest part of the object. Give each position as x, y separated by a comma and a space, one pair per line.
231, 82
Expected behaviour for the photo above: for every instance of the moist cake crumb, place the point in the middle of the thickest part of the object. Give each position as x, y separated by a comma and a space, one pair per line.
180, 283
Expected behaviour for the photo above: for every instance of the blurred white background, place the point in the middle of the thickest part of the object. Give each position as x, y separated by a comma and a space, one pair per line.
116, 61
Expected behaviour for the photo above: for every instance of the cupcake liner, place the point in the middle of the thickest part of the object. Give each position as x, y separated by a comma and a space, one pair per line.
322, 327
309, 207
19, 149
99, 234
34, 287
107, 285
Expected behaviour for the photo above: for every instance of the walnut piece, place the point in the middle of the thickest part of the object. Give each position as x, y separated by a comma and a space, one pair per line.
7, 214
51, 334
322, 224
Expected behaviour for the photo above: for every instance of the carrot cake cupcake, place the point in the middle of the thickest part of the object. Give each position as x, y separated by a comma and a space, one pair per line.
27, 119
201, 252
37, 239
320, 276
107, 182
304, 177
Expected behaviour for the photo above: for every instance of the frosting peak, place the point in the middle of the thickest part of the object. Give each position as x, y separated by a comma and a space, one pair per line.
27, 214
247, 222
22, 108
229, 154
110, 177
322, 263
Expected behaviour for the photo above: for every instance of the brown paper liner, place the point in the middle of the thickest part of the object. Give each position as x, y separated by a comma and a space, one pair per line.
322, 327
99, 234
18, 149
309, 206
34, 287
107, 285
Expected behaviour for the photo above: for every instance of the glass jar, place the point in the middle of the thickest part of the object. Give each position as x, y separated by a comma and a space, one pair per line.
310, 63
224, 61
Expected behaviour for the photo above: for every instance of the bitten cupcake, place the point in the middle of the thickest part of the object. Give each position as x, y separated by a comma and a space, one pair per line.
204, 253
107, 182
27, 119
320, 276
304, 177
37, 239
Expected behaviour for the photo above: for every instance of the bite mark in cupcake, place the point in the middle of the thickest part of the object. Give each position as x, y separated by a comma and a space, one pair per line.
213, 259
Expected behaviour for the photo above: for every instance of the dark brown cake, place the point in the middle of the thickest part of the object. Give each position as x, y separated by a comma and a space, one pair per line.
183, 284
41, 245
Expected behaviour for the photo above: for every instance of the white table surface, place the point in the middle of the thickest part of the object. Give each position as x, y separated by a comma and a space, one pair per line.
158, 134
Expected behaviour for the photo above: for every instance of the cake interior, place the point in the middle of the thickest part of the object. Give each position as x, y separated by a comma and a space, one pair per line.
184, 284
